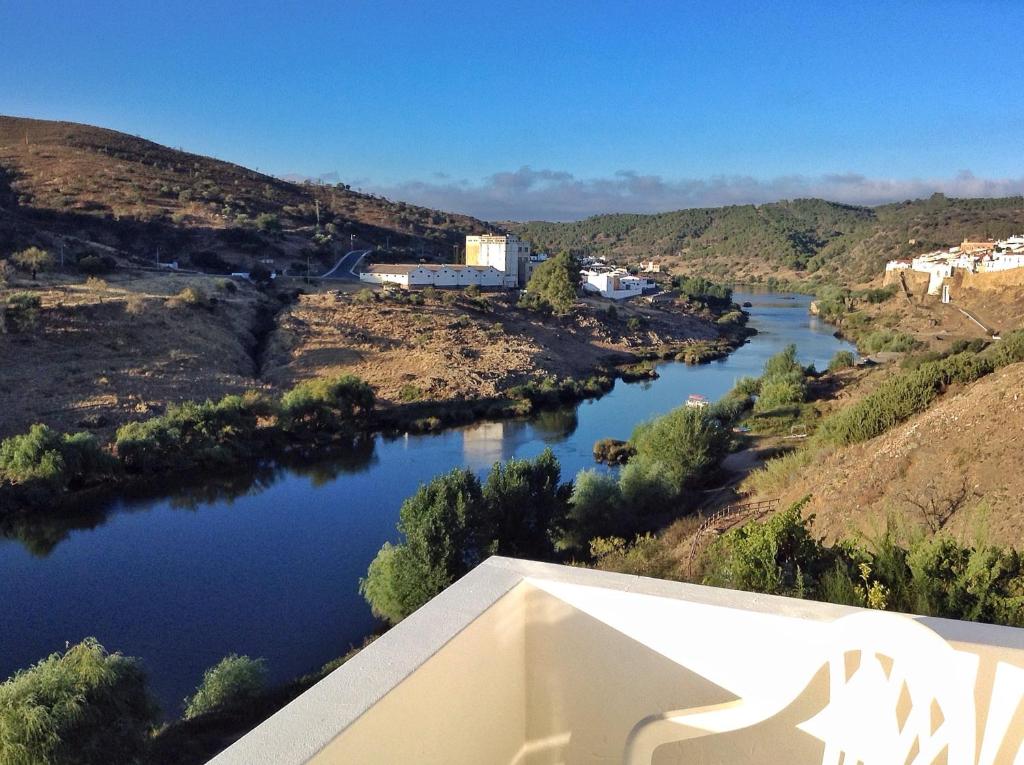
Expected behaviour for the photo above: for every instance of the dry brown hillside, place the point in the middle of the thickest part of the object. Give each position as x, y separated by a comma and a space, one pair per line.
961, 455
457, 351
101, 352
99, 191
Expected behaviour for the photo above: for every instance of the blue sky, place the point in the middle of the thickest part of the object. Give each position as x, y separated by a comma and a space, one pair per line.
541, 109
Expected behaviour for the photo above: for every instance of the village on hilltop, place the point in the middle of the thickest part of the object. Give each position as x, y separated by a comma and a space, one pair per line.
974, 257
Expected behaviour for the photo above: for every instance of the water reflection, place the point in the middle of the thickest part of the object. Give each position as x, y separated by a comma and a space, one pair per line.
40, 534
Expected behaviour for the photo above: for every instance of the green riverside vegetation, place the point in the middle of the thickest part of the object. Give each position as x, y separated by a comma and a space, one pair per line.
935, 576
40, 465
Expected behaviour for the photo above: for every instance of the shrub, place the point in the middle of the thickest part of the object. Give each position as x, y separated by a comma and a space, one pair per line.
82, 707
22, 311
326, 405
268, 222
410, 392
192, 296
906, 394
6, 272
190, 434
232, 681
645, 556
453, 523
441, 525
841, 360
783, 381
887, 340
51, 461
366, 295
700, 290
472, 291
777, 473
777, 557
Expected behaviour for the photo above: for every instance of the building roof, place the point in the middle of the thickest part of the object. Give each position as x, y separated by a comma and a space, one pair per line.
408, 268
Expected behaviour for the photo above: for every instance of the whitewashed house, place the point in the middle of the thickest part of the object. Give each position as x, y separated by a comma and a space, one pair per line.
614, 283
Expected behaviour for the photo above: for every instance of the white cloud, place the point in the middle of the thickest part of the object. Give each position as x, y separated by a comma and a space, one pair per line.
528, 194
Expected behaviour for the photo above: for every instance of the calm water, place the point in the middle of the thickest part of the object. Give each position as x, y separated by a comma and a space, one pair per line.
268, 563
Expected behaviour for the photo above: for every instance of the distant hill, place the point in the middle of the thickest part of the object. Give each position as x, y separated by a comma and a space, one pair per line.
799, 239
100, 191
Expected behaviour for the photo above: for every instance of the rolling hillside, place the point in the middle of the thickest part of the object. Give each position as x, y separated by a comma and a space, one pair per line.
101, 192
800, 239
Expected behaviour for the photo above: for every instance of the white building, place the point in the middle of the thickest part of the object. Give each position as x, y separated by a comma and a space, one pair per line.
614, 283
506, 253
430, 275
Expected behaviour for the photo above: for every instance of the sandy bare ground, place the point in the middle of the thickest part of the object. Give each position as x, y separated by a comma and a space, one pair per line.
451, 352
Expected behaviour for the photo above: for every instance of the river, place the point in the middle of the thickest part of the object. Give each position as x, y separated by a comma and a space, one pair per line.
268, 563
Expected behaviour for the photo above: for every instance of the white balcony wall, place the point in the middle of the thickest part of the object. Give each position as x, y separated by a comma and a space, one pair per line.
532, 663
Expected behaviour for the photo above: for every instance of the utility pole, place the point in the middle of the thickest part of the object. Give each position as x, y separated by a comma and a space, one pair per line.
317, 214
158, 256
62, 254
351, 242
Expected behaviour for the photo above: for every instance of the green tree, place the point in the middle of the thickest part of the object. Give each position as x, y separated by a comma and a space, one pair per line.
34, 260
525, 503
442, 526
596, 509
231, 681
679, 446
453, 523
554, 284
82, 707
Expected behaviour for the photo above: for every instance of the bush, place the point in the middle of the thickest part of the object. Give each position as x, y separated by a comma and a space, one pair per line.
189, 434
777, 557
234, 680
700, 290
51, 461
192, 296
908, 393
887, 340
82, 707
366, 295
783, 382
841, 360
33, 260
268, 222
472, 291
645, 556
96, 264
326, 406
22, 311
442, 525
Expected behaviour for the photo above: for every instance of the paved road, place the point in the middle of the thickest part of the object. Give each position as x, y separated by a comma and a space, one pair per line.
345, 269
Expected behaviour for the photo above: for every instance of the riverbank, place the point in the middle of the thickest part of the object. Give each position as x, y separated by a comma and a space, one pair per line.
28, 482
286, 544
